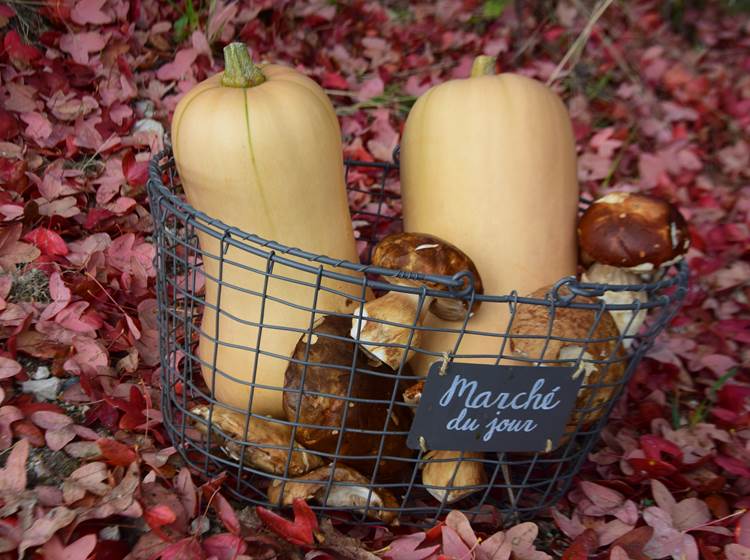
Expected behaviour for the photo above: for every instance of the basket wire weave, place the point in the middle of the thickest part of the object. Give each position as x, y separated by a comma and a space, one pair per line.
517, 486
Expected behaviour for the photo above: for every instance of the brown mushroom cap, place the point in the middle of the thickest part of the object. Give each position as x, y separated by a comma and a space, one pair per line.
260, 441
420, 252
320, 410
630, 230
356, 492
573, 325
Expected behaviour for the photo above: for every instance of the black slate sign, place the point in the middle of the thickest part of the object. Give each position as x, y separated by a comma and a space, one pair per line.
478, 407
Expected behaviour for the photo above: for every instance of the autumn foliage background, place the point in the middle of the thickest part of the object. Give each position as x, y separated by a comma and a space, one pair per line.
659, 94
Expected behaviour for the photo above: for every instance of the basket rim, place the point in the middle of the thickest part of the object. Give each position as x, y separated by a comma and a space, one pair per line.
459, 286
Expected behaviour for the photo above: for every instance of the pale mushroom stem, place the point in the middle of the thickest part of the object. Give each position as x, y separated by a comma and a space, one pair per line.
396, 307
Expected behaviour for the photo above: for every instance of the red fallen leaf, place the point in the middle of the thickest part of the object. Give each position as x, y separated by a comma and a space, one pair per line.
8, 125
57, 10
633, 542
652, 467
47, 241
435, 532
95, 216
29, 407
158, 516
116, 453
334, 80
584, 545
136, 172
733, 397
133, 409
6, 11
707, 552
223, 509
654, 446
732, 465
185, 549
718, 505
103, 412
19, 53
13, 174
300, 531
27, 430
112, 550
224, 546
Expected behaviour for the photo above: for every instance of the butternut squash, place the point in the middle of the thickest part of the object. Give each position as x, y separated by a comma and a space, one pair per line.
489, 163
259, 148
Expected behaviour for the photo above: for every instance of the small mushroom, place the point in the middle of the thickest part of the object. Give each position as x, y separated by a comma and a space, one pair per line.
571, 340
349, 490
326, 397
414, 253
450, 477
628, 322
634, 231
267, 445
413, 394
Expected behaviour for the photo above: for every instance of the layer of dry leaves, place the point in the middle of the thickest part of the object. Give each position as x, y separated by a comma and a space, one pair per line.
660, 99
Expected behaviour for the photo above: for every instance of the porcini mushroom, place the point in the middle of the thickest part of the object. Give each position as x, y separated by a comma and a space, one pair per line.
628, 322
449, 476
319, 408
266, 444
634, 231
349, 490
413, 394
414, 253
572, 341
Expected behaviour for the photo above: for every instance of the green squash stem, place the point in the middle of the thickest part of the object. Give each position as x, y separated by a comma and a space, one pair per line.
483, 66
239, 69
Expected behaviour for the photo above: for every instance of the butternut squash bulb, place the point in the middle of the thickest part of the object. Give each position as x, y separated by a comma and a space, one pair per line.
489, 163
259, 148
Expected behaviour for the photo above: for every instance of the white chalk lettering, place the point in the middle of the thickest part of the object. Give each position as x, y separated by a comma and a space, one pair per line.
546, 401
461, 385
505, 425
462, 424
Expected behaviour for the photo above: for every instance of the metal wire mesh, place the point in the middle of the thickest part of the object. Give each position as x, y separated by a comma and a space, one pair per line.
211, 275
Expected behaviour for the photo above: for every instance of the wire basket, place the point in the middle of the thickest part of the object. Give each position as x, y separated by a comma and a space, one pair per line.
383, 481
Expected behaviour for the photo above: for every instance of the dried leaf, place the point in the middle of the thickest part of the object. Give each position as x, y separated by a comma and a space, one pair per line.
119, 501
460, 524
91, 477
9, 368
13, 475
78, 550
44, 527
453, 546
405, 548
